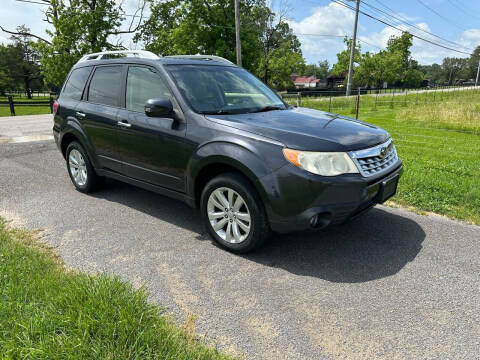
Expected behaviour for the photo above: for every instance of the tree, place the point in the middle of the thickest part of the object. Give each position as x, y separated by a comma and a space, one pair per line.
19, 64
25, 60
281, 63
473, 63
6, 80
343, 57
203, 27
454, 69
433, 73
206, 27
276, 34
79, 27
393, 65
320, 71
413, 78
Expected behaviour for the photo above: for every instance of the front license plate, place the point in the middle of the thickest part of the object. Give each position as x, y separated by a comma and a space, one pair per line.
388, 189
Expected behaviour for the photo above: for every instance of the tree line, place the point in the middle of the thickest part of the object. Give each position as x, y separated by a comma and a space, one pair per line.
270, 48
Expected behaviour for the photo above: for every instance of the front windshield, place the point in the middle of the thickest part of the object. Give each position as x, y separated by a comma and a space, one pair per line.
223, 89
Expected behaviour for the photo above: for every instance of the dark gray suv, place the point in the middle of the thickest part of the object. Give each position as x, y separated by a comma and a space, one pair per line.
202, 130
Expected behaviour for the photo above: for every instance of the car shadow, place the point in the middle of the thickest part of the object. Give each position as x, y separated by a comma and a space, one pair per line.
376, 245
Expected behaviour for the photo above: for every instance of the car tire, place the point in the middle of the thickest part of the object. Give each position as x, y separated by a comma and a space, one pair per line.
233, 213
80, 169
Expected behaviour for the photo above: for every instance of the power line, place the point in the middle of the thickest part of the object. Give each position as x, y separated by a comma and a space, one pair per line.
339, 36
48, 4
440, 15
396, 28
404, 21
464, 10
34, 2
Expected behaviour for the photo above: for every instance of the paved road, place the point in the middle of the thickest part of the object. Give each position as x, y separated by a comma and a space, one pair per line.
390, 285
26, 128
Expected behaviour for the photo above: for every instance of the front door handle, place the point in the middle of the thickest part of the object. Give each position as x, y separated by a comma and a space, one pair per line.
124, 123
80, 114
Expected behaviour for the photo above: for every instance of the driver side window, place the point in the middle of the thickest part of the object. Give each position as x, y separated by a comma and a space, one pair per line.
143, 83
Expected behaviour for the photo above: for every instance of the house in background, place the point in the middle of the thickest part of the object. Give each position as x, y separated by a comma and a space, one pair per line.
336, 81
308, 82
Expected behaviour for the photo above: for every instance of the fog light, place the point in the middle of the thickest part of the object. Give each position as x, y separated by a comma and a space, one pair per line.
320, 220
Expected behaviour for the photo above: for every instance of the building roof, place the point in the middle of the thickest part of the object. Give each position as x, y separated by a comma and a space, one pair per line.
305, 79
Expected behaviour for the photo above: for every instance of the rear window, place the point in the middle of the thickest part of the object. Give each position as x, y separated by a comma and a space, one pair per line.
106, 85
76, 83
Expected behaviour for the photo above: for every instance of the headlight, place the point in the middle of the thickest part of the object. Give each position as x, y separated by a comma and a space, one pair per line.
321, 163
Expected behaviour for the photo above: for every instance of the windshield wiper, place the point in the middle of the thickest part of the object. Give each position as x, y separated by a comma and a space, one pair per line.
217, 112
270, 108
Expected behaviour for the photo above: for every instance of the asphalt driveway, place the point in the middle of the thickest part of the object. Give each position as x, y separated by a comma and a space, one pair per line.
390, 285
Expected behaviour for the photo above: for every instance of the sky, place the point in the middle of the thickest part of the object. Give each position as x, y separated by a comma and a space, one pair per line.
321, 24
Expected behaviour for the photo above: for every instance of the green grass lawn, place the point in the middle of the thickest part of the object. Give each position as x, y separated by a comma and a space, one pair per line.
441, 158
25, 110
50, 312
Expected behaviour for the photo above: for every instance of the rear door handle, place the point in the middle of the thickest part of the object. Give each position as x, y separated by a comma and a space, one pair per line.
124, 123
80, 114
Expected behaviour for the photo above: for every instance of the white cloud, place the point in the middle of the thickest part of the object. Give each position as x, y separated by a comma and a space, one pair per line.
470, 38
422, 51
331, 19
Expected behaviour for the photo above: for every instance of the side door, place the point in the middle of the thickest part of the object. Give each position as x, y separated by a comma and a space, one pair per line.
152, 149
98, 114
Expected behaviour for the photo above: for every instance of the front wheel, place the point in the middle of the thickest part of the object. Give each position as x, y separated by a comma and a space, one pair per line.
233, 213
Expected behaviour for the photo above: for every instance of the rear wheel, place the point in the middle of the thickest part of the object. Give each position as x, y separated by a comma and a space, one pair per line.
80, 168
233, 213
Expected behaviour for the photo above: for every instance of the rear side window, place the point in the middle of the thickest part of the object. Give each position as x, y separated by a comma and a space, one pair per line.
76, 83
106, 85
143, 84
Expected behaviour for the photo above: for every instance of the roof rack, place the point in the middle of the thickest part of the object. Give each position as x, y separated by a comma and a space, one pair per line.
201, 57
126, 53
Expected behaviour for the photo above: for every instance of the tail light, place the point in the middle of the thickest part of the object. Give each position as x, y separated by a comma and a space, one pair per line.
55, 107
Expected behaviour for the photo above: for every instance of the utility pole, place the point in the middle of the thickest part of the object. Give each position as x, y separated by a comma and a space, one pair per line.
352, 51
478, 73
237, 34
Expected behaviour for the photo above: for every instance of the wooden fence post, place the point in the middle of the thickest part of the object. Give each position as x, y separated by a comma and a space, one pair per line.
358, 104
10, 103
299, 99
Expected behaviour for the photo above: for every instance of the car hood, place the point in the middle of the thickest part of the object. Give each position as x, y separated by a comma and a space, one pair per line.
307, 129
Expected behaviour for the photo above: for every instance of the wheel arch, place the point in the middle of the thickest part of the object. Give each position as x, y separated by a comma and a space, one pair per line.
74, 132
221, 158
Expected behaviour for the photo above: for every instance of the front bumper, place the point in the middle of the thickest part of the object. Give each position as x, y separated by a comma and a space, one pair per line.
294, 196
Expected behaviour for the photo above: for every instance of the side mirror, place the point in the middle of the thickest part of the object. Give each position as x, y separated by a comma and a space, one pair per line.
161, 107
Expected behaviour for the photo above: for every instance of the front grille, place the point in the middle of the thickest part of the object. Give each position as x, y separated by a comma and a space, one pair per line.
375, 160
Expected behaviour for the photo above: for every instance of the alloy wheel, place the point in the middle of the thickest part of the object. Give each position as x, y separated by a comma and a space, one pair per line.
229, 215
78, 168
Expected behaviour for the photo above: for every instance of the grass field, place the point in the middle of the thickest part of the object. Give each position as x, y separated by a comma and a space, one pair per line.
440, 151
50, 312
